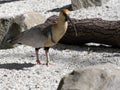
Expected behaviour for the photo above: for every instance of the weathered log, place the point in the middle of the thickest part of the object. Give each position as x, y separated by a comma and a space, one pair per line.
91, 30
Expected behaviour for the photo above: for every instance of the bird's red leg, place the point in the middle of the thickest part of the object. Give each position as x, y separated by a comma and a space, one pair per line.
47, 56
37, 56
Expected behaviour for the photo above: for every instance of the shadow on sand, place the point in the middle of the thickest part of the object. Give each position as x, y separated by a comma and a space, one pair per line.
7, 1
16, 66
93, 48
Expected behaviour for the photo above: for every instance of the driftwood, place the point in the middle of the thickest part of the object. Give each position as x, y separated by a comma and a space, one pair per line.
91, 30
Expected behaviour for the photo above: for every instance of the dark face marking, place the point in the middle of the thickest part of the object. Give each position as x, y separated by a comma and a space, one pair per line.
65, 15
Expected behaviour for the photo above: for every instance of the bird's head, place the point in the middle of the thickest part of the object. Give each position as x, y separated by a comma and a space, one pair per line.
64, 16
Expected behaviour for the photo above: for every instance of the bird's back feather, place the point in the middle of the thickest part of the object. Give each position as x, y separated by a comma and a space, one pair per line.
34, 37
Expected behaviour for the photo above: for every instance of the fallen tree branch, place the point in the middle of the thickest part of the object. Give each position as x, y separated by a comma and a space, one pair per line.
91, 30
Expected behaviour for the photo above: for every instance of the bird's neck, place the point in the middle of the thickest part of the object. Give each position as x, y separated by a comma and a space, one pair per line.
59, 30
62, 25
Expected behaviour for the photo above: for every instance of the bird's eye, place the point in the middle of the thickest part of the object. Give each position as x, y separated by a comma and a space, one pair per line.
64, 14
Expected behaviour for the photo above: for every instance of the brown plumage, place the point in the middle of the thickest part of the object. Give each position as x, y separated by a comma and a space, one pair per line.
44, 36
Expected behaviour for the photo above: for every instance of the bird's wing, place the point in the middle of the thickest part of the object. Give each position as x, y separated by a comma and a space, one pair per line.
36, 36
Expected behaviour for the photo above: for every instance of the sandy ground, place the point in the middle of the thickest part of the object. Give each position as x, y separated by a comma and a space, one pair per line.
18, 68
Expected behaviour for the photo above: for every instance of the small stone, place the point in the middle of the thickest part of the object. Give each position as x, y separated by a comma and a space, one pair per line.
5, 75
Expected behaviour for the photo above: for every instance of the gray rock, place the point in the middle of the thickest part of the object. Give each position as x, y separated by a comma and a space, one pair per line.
29, 19
5, 24
11, 27
77, 4
99, 77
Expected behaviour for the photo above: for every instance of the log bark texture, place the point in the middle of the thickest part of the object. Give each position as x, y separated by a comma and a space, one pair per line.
91, 30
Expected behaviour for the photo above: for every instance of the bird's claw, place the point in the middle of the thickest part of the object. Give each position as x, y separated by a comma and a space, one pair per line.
42, 63
49, 63
39, 62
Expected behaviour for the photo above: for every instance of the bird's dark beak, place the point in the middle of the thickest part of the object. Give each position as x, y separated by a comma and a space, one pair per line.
68, 18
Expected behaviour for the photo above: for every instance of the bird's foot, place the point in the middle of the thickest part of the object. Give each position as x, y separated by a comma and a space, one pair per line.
39, 62
49, 63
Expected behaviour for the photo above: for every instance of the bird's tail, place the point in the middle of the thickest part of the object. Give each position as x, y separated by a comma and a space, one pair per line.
13, 41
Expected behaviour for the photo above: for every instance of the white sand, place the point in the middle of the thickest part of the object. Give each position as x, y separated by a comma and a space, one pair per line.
18, 69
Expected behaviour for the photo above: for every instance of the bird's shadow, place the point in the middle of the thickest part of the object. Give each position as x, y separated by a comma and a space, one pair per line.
16, 66
7, 1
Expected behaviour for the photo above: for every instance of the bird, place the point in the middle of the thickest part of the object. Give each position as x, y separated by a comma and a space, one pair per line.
44, 35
